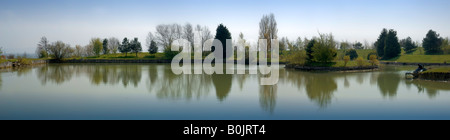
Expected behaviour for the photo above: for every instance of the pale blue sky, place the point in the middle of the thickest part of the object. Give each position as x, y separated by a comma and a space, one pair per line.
24, 22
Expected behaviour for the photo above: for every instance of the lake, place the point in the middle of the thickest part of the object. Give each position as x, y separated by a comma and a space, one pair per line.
152, 91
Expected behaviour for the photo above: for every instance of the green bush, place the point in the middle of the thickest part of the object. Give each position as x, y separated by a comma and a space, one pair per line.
352, 53
360, 61
370, 54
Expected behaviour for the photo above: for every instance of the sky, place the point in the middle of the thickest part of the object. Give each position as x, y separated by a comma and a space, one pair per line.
24, 22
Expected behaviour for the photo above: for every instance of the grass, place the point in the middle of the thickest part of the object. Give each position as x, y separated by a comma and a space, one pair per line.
141, 55
440, 69
418, 56
361, 53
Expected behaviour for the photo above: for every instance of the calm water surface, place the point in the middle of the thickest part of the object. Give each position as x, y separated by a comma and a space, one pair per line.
152, 91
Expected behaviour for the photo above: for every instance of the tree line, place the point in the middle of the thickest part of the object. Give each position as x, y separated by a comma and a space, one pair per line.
322, 48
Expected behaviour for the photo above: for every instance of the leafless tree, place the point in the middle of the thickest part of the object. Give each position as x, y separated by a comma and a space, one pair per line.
188, 34
268, 29
89, 50
164, 35
204, 34
78, 52
113, 44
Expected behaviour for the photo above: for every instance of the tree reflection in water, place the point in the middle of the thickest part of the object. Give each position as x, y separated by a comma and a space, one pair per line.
320, 88
176, 87
222, 84
388, 84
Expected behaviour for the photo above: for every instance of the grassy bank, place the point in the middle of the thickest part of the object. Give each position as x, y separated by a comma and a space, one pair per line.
439, 70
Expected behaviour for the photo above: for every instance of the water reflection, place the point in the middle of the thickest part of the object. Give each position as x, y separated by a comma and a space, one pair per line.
222, 84
319, 88
388, 84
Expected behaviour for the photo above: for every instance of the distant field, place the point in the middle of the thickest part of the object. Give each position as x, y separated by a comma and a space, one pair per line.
422, 58
361, 53
419, 57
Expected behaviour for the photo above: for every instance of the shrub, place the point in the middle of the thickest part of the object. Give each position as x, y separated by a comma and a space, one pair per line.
324, 49
11, 56
360, 61
352, 53
373, 60
370, 54
297, 58
346, 59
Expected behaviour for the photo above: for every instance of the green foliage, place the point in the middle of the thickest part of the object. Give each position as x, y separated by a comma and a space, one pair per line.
297, 57
432, 43
1, 50
135, 46
408, 45
358, 46
42, 53
380, 43
392, 47
223, 34
59, 50
309, 50
23, 61
346, 59
169, 54
105, 46
370, 54
445, 46
153, 48
324, 49
344, 46
125, 47
360, 61
98, 46
352, 53
373, 59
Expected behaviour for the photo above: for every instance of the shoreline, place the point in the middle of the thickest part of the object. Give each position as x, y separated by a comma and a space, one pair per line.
334, 69
414, 63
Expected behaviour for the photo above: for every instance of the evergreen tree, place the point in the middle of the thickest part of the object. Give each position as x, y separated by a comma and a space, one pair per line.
408, 45
379, 44
153, 48
135, 46
392, 47
432, 43
223, 34
105, 46
309, 50
352, 53
125, 47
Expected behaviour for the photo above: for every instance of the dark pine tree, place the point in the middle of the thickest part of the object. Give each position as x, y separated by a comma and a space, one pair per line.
223, 34
105, 46
379, 44
392, 47
432, 43
309, 50
125, 47
152, 49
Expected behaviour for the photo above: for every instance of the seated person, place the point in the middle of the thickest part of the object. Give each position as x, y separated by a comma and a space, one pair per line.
420, 69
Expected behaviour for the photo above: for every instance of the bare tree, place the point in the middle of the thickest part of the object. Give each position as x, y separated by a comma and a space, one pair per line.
164, 35
89, 50
44, 43
268, 29
113, 44
204, 34
78, 52
188, 34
